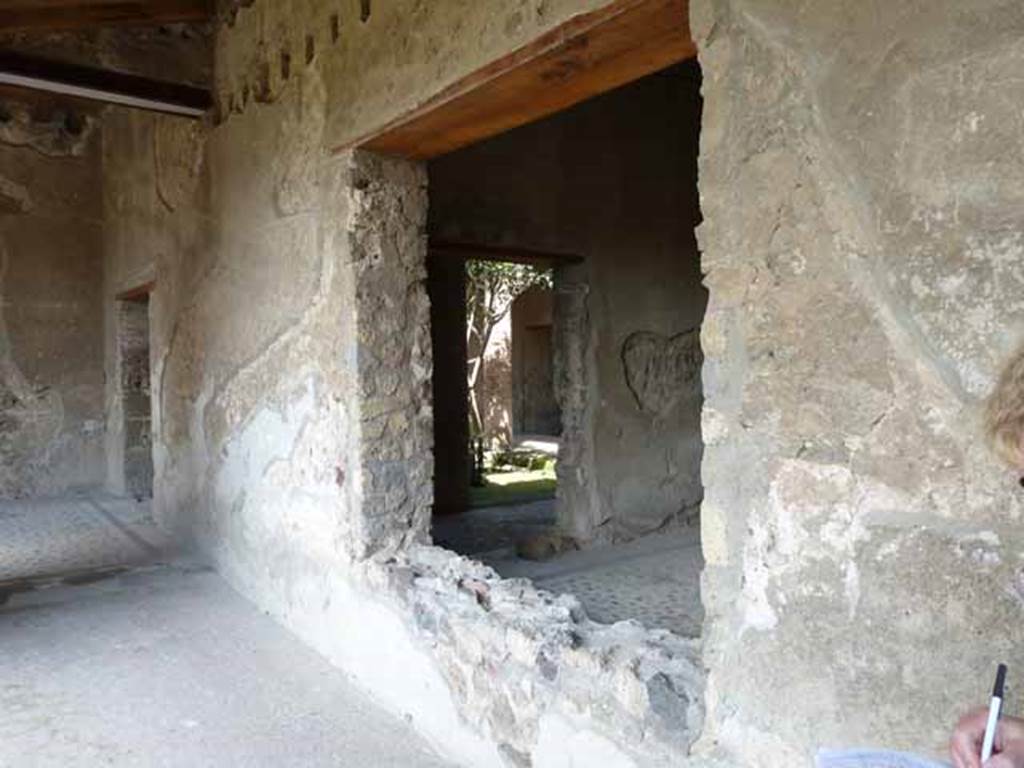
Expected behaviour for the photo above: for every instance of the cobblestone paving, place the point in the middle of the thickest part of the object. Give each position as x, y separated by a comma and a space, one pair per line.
51, 537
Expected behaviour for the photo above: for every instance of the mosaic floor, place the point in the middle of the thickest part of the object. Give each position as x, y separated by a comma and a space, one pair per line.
654, 580
494, 531
53, 537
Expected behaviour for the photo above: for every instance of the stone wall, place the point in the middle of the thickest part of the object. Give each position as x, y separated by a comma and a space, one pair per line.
388, 252
613, 181
861, 182
51, 354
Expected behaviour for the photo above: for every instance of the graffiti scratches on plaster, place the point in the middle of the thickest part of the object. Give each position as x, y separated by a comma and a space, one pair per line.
660, 369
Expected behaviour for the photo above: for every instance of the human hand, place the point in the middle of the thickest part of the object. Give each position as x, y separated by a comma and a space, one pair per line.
965, 746
1007, 755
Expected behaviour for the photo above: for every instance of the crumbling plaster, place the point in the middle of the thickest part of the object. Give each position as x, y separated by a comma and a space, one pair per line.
860, 182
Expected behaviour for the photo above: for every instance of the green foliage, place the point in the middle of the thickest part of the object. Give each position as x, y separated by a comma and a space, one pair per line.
491, 287
498, 283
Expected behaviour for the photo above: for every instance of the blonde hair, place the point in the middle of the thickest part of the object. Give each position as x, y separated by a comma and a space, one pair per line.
1004, 412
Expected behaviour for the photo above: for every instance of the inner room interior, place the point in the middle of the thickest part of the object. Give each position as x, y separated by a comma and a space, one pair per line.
135, 393
605, 193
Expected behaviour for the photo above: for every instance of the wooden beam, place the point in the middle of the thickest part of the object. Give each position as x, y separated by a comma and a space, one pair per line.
102, 85
139, 293
26, 15
590, 54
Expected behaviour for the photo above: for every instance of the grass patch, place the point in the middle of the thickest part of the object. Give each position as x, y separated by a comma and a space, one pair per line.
516, 487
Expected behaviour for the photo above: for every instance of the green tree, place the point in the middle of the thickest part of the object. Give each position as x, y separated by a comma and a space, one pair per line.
491, 287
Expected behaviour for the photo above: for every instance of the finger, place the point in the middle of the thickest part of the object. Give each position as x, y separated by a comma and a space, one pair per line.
956, 752
965, 749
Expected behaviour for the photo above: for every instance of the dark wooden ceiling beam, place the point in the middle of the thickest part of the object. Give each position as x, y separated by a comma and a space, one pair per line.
27, 15
29, 72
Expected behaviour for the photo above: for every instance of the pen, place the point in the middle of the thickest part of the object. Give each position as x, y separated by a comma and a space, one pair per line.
994, 710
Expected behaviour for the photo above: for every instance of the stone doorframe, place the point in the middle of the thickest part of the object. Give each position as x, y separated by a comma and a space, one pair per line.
588, 55
389, 255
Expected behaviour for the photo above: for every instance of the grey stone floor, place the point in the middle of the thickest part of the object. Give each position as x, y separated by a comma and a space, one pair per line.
54, 537
166, 666
654, 580
493, 531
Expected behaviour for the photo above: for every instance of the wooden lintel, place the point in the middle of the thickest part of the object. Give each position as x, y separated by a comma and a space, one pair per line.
511, 254
590, 54
29, 72
138, 293
28, 15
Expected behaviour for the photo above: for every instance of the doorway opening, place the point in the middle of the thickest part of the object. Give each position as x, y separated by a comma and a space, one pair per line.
135, 393
497, 422
613, 181
583, 142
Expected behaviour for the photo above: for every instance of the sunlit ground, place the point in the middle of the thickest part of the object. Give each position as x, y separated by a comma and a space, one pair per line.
516, 486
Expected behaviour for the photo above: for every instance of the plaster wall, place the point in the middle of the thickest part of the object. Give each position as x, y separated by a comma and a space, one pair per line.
378, 58
51, 353
861, 178
495, 386
58, 317
535, 408
517, 388
612, 180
